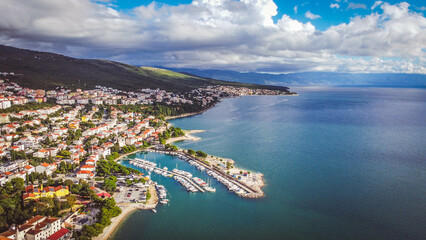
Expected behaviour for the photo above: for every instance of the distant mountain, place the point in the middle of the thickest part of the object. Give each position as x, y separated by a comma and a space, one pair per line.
48, 71
314, 78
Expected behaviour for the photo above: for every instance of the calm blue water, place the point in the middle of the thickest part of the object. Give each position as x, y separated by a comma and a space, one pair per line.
339, 163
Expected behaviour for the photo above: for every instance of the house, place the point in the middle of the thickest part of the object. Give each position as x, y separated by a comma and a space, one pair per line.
53, 151
88, 168
36, 228
4, 118
61, 234
147, 133
17, 148
91, 162
138, 144
130, 140
42, 153
121, 142
22, 163
85, 174
29, 169
45, 167
8, 167
32, 193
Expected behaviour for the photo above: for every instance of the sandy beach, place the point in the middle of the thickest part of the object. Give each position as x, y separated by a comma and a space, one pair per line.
188, 136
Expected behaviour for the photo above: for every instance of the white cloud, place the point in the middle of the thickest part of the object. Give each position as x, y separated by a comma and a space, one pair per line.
295, 9
357, 6
334, 5
376, 4
221, 34
311, 16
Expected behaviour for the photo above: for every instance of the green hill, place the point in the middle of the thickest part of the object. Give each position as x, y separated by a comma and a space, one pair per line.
48, 71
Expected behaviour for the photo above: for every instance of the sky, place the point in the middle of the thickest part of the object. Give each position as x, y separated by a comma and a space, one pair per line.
359, 36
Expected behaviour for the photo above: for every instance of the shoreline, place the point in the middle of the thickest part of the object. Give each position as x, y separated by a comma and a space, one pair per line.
189, 114
128, 210
188, 136
116, 223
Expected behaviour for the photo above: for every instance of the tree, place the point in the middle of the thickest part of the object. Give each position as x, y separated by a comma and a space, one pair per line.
201, 154
71, 199
191, 152
50, 182
110, 184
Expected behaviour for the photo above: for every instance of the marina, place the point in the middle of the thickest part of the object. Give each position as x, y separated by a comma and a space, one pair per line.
229, 182
178, 175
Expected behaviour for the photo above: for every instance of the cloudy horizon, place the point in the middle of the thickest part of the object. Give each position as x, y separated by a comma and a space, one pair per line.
245, 35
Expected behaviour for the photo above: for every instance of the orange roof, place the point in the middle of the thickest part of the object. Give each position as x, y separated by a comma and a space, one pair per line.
29, 167
88, 166
45, 164
84, 172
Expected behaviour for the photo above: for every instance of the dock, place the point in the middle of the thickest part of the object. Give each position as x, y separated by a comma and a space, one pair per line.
177, 174
251, 193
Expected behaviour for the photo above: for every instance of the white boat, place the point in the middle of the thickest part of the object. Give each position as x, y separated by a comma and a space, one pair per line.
154, 211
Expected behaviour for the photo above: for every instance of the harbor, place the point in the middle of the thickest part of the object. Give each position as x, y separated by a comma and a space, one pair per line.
184, 178
231, 183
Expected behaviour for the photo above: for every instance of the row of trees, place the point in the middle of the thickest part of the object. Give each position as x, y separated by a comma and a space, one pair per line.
106, 168
198, 153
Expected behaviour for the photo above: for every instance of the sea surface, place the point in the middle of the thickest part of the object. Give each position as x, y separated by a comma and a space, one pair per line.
339, 163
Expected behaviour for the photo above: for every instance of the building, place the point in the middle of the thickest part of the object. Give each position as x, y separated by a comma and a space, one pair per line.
37, 228
32, 193
85, 174
4, 118
45, 167
8, 167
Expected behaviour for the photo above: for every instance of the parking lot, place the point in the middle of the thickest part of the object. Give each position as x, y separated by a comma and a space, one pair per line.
131, 195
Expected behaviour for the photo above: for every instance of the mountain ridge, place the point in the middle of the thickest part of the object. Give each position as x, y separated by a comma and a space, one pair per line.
46, 70
314, 78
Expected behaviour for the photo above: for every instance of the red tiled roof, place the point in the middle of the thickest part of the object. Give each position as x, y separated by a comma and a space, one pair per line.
8, 233
34, 231
35, 219
58, 234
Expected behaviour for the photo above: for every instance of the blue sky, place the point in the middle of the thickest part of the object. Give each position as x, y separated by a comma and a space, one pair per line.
341, 12
243, 35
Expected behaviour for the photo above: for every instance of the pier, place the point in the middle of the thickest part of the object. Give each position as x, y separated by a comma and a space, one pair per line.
173, 173
251, 193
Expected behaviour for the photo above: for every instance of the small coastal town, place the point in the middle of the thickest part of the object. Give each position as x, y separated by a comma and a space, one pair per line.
61, 150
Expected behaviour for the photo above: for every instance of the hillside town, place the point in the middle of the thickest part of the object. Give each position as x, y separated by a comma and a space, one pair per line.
57, 151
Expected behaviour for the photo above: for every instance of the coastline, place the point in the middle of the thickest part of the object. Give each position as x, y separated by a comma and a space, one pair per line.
116, 223
189, 114
128, 210
188, 136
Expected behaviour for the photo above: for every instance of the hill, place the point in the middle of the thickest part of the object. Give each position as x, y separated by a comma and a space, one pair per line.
316, 78
48, 71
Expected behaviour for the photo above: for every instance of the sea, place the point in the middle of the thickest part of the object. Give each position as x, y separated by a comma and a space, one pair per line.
339, 163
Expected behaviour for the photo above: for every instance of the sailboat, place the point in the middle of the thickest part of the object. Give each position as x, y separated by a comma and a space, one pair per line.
209, 188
